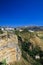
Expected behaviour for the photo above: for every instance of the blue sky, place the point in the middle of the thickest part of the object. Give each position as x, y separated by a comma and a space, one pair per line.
21, 12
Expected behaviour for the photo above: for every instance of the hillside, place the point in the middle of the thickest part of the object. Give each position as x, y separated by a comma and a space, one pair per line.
31, 37
21, 47
32, 44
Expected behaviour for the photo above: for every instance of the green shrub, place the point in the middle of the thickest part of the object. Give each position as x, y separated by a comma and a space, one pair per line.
4, 62
1, 32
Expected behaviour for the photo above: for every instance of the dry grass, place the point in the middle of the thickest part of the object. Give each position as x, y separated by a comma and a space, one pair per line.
22, 62
32, 38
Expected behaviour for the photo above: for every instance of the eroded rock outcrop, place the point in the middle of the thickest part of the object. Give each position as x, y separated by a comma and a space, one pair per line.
9, 49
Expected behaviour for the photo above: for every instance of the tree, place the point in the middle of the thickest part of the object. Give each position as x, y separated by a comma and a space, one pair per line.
1, 32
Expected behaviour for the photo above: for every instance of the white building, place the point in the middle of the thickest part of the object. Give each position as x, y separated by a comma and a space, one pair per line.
9, 28
30, 30
20, 30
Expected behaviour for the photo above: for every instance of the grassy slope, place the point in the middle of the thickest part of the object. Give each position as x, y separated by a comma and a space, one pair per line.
22, 62
35, 40
32, 38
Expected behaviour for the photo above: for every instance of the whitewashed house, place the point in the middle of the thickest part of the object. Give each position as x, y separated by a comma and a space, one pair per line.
30, 30
9, 28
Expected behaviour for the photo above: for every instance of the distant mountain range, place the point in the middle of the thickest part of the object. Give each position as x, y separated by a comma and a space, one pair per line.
34, 28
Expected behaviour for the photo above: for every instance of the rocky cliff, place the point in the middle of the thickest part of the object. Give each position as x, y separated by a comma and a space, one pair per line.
9, 48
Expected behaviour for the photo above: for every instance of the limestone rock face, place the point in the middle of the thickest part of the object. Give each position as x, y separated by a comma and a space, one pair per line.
10, 54
9, 49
